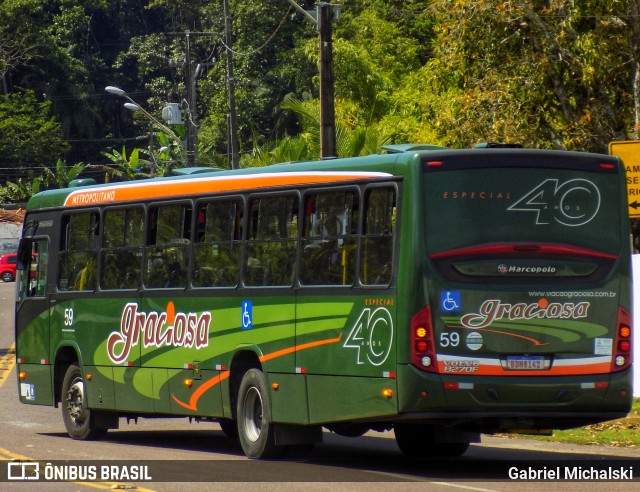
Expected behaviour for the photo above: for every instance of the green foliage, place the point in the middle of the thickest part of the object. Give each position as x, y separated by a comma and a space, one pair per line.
19, 40
63, 174
621, 433
130, 167
21, 190
29, 135
545, 74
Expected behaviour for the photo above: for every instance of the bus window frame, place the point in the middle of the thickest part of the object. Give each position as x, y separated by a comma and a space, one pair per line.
396, 185
103, 249
241, 241
63, 239
313, 190
149, 206
253, 195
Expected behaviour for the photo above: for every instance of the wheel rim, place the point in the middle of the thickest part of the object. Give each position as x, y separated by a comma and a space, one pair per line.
75, 402
252, 418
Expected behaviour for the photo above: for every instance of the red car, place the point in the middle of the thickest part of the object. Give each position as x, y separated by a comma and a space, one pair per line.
8, 264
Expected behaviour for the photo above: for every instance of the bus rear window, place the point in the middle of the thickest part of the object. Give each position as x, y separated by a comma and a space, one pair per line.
522, 222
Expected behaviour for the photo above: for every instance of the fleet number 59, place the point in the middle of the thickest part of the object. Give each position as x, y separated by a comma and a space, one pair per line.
68, 317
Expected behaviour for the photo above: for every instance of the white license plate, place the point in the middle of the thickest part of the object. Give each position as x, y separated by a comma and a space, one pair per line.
526, 363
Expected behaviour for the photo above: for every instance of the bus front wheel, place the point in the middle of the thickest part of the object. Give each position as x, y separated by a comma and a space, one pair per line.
419, 442
79, 420
255, 429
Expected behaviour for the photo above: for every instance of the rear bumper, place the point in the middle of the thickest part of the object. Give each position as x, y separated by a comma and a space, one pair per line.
492, 404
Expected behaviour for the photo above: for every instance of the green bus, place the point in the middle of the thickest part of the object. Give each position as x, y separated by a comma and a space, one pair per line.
440, 293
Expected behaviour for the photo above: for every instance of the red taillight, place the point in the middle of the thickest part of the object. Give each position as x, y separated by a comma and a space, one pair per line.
622, 353
423, 354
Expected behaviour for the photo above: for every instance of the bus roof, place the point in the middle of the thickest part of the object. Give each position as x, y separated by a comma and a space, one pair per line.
199, 180
220, 181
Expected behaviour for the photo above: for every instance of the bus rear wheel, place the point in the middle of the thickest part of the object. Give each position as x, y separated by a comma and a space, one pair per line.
419, 442
79, 420
255, 429
229, 427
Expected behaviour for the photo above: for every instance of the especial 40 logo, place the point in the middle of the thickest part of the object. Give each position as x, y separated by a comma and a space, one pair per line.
372, 336
572, 203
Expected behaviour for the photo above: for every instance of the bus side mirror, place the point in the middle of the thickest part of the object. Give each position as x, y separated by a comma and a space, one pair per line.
24, 253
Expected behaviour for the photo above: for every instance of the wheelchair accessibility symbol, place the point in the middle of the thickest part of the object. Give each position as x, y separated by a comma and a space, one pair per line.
450, 301
247, 315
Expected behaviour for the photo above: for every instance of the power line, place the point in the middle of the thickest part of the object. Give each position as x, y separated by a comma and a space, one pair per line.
264, 45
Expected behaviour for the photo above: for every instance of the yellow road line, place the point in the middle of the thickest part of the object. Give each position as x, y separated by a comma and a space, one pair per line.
7, 362
6, 455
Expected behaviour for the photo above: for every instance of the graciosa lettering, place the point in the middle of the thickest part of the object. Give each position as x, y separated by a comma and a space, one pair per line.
168, 328
493, 309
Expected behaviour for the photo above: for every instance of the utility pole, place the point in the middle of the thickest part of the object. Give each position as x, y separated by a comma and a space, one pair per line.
327, 108
192, 127
322, 21
233, 137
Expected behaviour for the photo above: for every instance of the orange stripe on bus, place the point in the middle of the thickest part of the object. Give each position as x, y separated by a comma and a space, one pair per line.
202, 389
280, 353
174, 188
207, 385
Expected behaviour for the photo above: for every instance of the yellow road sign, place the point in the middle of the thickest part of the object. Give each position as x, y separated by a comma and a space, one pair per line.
629, 152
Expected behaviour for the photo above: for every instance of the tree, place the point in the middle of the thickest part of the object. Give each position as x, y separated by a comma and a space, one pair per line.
19, 41
30, 137
545, 74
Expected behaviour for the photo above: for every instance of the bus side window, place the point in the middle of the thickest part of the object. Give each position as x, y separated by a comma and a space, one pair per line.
330, 240
272, 239
33, 279
78, 252
377, 242
168, 243
216, 261
122, 248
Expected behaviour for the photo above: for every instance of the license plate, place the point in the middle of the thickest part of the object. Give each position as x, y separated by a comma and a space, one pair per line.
526, 363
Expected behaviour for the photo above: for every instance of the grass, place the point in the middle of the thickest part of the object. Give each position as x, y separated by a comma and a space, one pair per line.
618, 433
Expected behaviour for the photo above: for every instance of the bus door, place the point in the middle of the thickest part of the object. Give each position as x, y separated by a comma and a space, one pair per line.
32, 330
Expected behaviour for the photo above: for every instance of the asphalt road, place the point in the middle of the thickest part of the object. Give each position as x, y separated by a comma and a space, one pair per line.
193, 456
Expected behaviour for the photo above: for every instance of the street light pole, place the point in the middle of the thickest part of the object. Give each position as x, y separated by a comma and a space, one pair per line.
133, 106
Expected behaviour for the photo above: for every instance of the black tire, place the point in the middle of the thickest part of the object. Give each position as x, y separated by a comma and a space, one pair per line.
418, 442
7, 277
79, 420
229, 427
255, 429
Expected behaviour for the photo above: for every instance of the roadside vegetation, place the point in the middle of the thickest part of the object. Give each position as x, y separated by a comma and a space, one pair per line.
623, 433
560, 75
